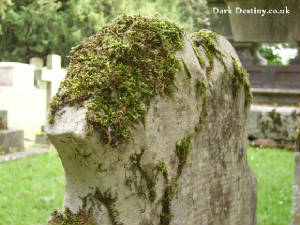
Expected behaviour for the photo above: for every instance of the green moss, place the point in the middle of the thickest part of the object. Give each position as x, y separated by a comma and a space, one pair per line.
240, 79
182, 152
200, 59
82, 217
118, 70
276, 117
264, 124
108, 200
202, 89
161, 167
2, 126
145, 186
166, 215
186, 68
297, 137
53, 106
207, 40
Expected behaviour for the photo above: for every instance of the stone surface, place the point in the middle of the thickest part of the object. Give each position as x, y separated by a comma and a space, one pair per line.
11, 139
270, 122
140, 182
296, 190
272, 27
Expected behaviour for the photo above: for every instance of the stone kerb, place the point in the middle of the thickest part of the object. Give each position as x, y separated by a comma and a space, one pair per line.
182, 159
273, 122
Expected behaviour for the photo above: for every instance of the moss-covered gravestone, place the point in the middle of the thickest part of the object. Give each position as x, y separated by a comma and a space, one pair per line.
150, 126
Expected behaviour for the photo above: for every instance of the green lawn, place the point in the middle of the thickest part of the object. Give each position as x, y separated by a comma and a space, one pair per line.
274, 169
30, 189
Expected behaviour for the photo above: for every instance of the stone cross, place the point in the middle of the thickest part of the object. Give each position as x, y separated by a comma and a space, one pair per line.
53, 74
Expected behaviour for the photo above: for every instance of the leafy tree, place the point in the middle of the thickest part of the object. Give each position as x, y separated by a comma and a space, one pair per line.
39, 27
267, 51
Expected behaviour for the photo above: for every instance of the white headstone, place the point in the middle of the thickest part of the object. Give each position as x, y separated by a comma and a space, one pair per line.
16, 75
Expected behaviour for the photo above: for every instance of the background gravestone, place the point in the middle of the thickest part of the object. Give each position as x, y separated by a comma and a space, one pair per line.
10, 139
150, 126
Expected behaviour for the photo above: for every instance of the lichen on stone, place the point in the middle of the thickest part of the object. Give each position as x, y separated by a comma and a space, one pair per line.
118, 70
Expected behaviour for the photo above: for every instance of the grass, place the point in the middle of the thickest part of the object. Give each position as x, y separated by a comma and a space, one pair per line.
274, 169
30, 189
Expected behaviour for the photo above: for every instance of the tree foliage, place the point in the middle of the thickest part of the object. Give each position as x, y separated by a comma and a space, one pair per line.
39, 27
269, 53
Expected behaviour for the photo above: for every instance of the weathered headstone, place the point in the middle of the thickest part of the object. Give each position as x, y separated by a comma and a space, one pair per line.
150, 127
10, 139
20, 97
16, 75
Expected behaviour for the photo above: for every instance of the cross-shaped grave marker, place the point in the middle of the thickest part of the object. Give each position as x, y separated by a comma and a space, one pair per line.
53, 74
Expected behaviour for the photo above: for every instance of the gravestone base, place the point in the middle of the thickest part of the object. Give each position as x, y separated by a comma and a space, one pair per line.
11, 139
277, 123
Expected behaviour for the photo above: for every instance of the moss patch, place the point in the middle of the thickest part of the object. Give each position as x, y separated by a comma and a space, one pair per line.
2, 126
82, 217
239, 77
143, 180
207, 40
108, 200
187, 69
182, 152
118, 70
200, 59
276, 117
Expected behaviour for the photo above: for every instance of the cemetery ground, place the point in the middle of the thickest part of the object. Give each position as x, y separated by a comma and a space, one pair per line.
31, 188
